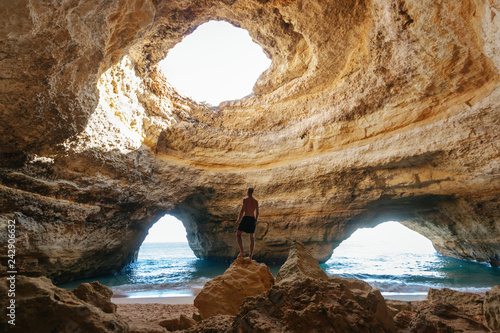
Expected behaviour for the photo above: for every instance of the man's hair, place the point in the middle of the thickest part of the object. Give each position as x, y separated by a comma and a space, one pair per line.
250, 190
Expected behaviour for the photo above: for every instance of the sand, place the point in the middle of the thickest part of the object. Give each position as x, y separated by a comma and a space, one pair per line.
147, 313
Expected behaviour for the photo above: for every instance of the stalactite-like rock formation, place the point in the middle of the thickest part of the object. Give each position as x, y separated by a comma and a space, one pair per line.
371, 111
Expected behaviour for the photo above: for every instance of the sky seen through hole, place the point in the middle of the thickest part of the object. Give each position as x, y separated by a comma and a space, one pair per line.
215, 63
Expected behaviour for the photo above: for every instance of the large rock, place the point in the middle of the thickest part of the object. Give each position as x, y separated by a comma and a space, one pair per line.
182, 322
313, 305
216, 324
224, 294
492, 308
469, 303
445, 310
442, 317
370, 111
43, 307
96, 294
299, 264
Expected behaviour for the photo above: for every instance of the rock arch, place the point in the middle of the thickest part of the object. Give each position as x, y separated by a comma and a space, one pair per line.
368, 109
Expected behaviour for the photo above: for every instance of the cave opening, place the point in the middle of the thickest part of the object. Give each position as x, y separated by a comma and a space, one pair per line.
404, 265
165, 266
215, 63
167, 229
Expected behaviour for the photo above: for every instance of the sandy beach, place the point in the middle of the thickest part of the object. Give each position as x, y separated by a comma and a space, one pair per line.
150, 312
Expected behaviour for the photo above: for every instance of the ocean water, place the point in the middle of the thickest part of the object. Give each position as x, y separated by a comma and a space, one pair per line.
398, 266
400, 262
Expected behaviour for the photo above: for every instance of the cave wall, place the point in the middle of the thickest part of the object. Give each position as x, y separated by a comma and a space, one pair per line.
370, 111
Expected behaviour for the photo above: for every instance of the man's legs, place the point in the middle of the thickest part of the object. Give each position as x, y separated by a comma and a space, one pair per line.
252, 245
240, 243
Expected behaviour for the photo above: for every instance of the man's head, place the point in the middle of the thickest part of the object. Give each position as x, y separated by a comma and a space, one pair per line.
250, 191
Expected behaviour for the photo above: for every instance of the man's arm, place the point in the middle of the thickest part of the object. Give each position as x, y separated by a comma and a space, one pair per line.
242, 211
257, 211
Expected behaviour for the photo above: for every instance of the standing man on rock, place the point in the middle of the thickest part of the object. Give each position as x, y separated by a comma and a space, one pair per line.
250, 214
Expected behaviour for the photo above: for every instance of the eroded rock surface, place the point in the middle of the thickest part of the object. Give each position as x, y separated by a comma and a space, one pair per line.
447, 310
96, 294
371, 111
492, 308
313, 305
469, 303
219, 323
299, 264
443, 317
43, 307
224, 294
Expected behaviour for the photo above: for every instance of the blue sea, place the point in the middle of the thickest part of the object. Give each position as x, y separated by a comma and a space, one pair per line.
401, 265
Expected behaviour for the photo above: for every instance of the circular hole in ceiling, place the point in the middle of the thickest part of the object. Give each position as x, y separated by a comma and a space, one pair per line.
215, 63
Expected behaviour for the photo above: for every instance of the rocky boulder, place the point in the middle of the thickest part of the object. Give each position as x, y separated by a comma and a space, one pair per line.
299, 264
43, 307
224, 294
492, 308
469, 303
313, 305
96, 294
448, 310
216, 324
355, 285
442, 317
176, 324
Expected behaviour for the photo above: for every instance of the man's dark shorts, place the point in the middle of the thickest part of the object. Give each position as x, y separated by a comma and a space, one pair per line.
247, 224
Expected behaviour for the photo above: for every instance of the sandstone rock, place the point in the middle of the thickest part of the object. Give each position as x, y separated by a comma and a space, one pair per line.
215, 324
397, 306
443, 317
43, 307
380, 110
355, 285
313, 305
363, 290
492, 308
183, 322
299, 264
97, 295
468, 303
402, 320
224, 294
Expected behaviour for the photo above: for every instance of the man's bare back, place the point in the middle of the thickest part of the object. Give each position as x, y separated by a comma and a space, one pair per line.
250, 207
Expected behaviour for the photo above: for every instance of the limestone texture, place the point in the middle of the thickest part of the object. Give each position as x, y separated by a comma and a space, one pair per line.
492, 308
469, 303
183, 322
370, 111
96, 294
443, 317
219, 324
43, 307
314, 305
224, 294
299, 264
447, 310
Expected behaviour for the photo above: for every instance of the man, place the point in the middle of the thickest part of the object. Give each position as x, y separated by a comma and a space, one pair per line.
250, 214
